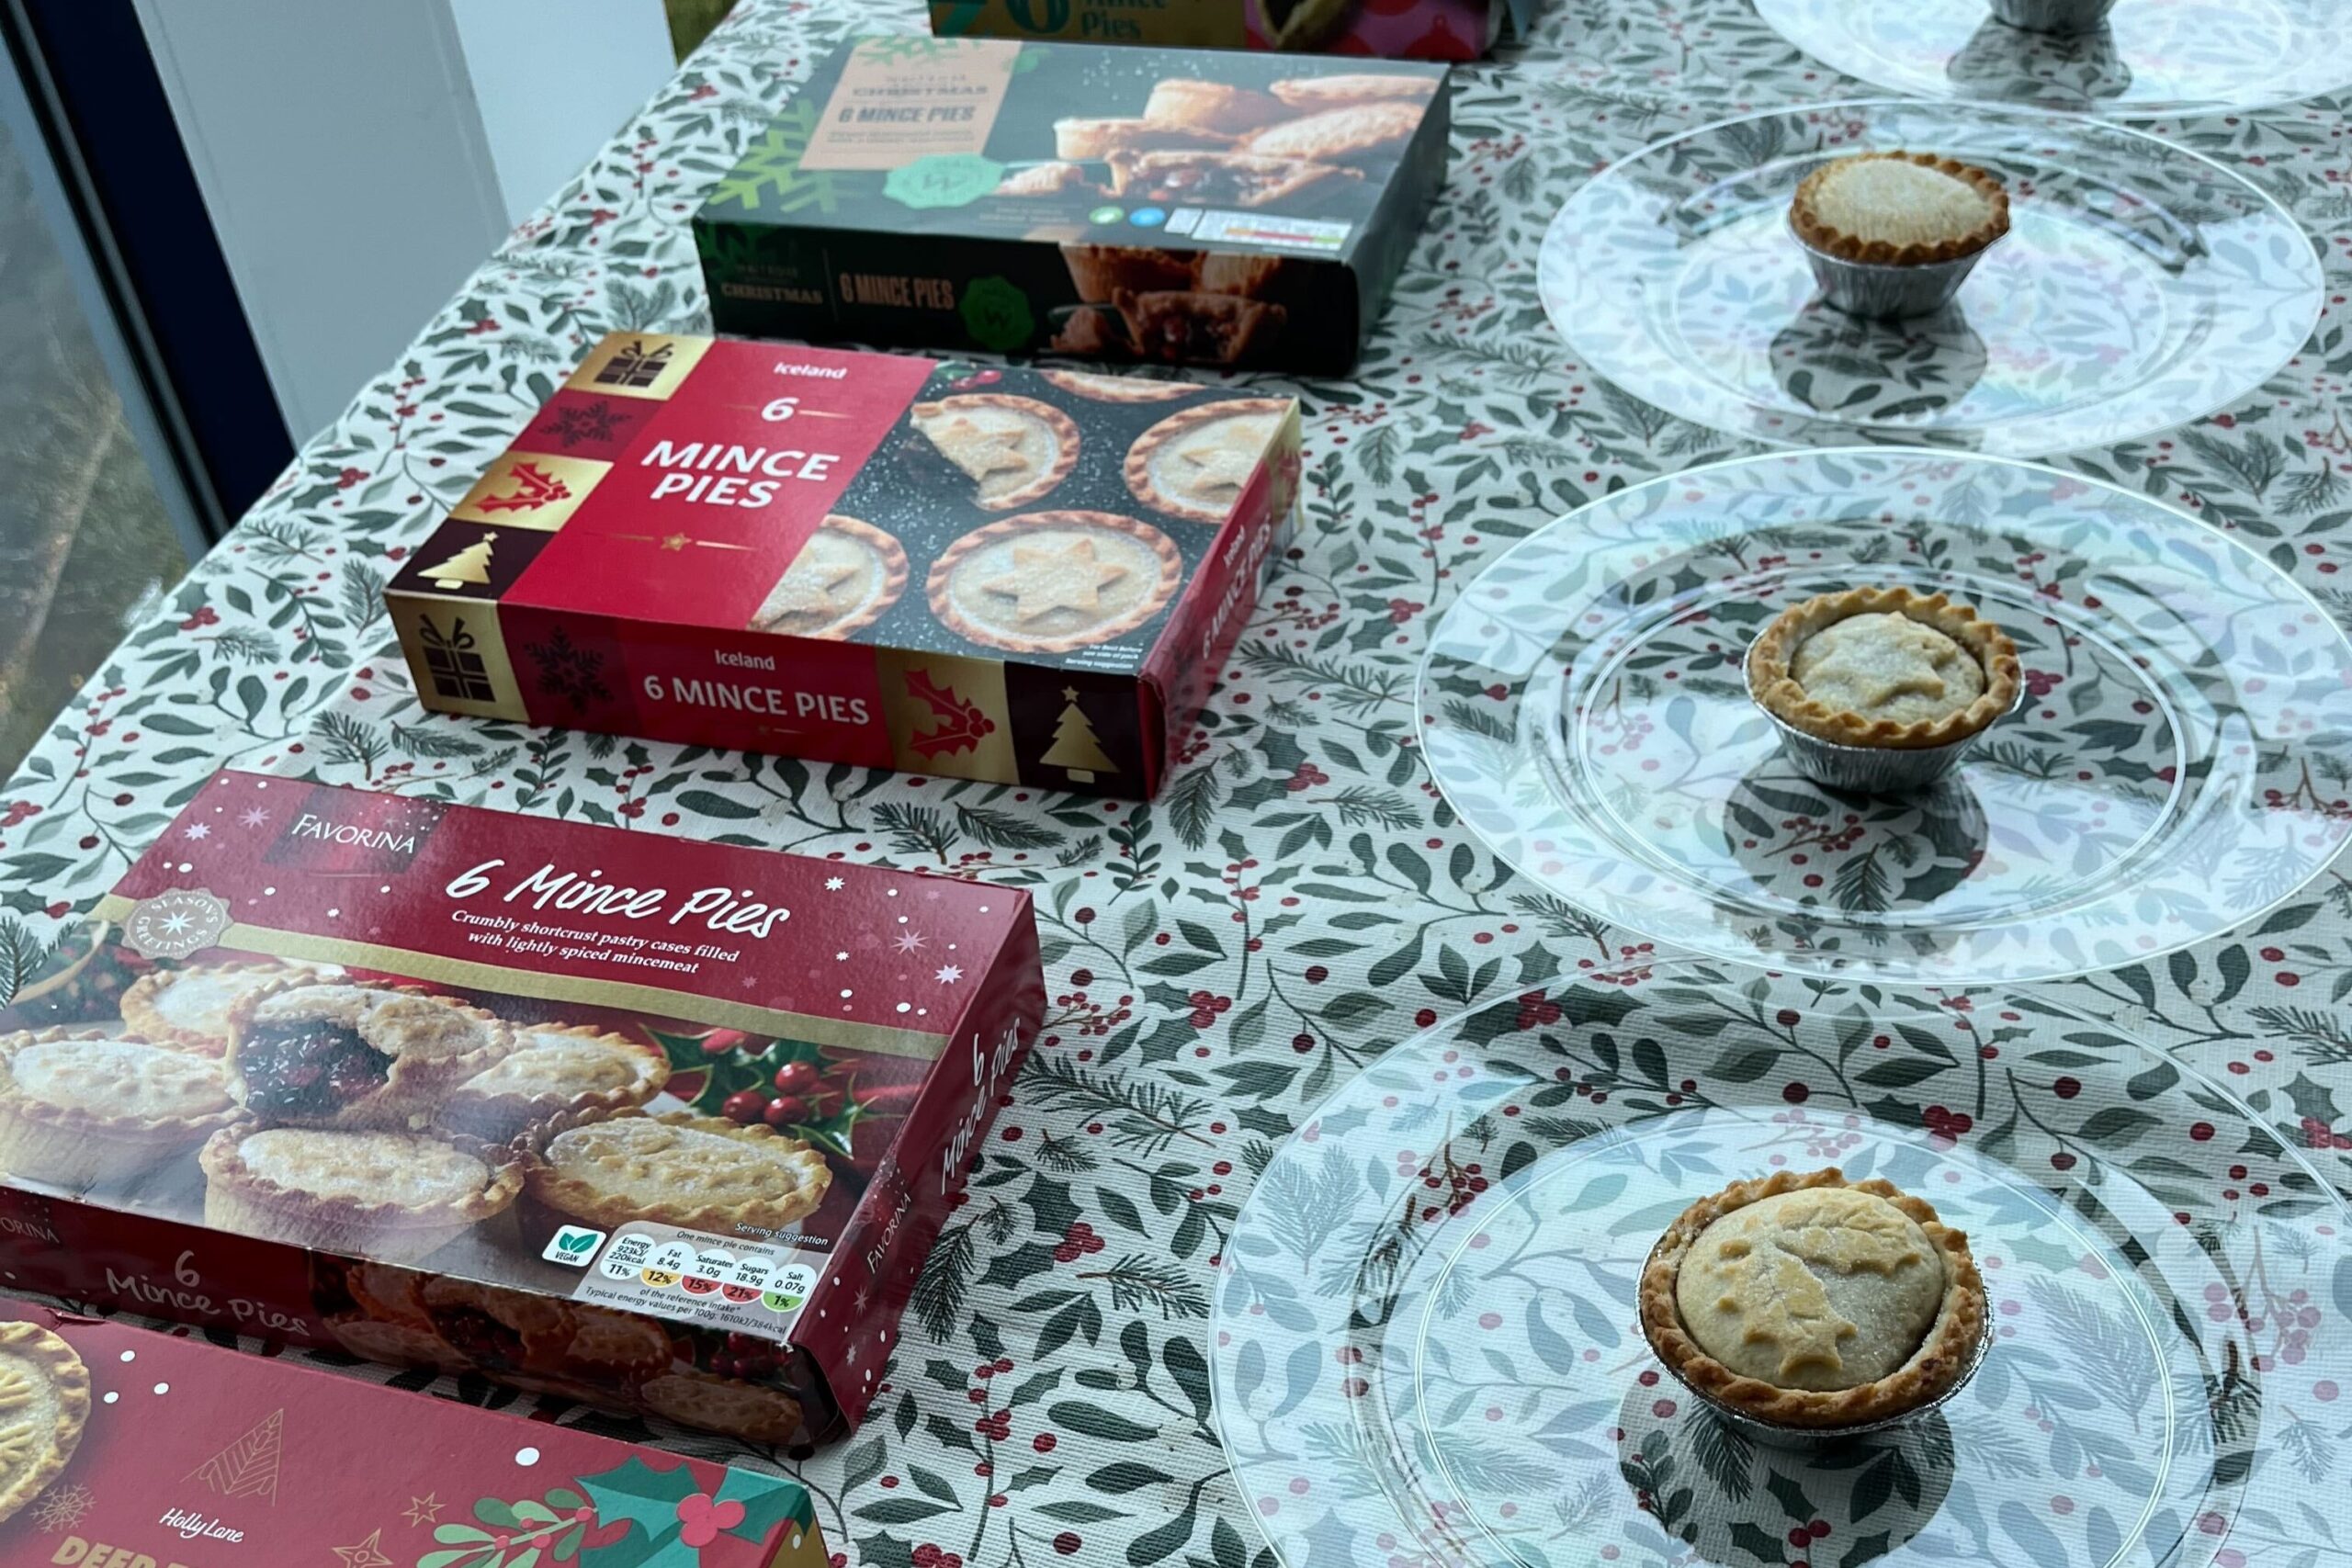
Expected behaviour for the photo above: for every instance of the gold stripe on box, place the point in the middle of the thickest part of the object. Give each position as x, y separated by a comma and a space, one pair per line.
879, 1039
538, 491
457, 656
638, 365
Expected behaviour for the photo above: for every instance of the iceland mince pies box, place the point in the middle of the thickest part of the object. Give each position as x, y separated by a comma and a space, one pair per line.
1026, 576
1179, 206
1396, 29
658, 1125
133, 1449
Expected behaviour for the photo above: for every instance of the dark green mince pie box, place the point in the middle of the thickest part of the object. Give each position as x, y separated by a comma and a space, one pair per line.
1183, 206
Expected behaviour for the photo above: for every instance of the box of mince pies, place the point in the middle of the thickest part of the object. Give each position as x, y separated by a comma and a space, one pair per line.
1177, 206
660, 1126
1026, 576
128, 1449
1398, 29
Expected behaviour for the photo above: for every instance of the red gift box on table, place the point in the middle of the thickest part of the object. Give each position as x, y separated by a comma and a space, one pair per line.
153, 1452
659, 1125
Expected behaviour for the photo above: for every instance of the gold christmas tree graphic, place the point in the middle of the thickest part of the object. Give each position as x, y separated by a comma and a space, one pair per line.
1075, 749
468, 565
248, 1467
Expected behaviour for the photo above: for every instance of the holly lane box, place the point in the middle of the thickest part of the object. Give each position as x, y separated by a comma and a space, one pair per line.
1398, 29
1027, 576
1186, 206
659, 1126
155, 1452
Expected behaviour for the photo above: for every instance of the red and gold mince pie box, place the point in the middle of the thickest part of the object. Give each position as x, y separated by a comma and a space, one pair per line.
1396, 30
1193, 206
128, 1449
658, 1125
1027, 576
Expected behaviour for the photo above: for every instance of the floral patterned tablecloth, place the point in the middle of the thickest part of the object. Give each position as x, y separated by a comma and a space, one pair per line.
1297, 899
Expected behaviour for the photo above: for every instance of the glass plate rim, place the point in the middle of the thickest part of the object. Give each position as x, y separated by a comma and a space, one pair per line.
1220, 1357
1799, 963
2151, 110
2309, 253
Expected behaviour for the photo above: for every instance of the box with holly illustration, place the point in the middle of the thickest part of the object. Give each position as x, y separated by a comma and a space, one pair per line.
658, 1125
1180, 206
1019, 575
1396, 29
127, 1449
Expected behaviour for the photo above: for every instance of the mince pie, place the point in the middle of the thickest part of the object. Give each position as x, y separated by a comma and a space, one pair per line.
543, 1344
1089, 139
393, 1196
1900, 209
349, 1056
725, 1405
1310, 93
1189, 327
1213, 106
44, 1403
78, 1109
1196, 464
1350, 132
1217, 179
843, 579
1119, 389
1813, 1301
189, 1007
559, 1075
1885, 668
679, 1169
1047, 179
1016, 450
1051, 581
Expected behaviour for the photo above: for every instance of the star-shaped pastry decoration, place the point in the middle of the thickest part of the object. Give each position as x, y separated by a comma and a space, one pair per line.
365, 1554
807, 587
978, 450
1223, 462
425, 1510
1045, 577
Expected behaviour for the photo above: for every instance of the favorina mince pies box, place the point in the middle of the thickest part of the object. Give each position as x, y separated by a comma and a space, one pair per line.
133, 1450
1398, 29
1027, 576
1183, 206
655, 1125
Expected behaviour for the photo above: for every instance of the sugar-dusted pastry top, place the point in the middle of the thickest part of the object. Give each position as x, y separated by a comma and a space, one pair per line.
119, 1079
1824, 1288
1887, 665
374, 1168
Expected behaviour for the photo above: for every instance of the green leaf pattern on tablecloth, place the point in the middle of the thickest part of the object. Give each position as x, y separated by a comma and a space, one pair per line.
1296, 900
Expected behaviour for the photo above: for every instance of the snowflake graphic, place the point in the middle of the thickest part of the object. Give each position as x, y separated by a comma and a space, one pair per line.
948, 974
571, 672
595, 422
64, 1508
908, 941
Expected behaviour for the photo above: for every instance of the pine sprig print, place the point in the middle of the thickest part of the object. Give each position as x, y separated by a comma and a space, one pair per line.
1139, 1283
1144, 1116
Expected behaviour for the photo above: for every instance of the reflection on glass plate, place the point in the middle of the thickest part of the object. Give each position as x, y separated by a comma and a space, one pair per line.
2155, 59
1425, 1346
2141, 286
2182, 761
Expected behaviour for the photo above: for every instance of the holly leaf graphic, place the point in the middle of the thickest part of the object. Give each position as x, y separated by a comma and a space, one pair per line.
644, 1497
767, 1500
962, 724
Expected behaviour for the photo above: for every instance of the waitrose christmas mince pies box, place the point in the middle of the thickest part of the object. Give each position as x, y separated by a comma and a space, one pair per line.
1183, 206
659, 1126
1027, 576
124, 1448
1399, 29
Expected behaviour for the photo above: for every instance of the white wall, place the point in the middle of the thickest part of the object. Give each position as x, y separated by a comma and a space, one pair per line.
359, 160
554, 79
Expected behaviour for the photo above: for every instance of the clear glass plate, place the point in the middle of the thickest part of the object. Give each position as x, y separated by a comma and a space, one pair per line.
2157, 59
1425, 1351
2141, 286
2182, 761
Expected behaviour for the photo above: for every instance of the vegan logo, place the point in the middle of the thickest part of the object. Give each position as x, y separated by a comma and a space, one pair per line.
572, 1246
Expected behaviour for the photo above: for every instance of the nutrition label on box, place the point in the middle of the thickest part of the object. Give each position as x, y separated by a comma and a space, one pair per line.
720, 1281
1312, 234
